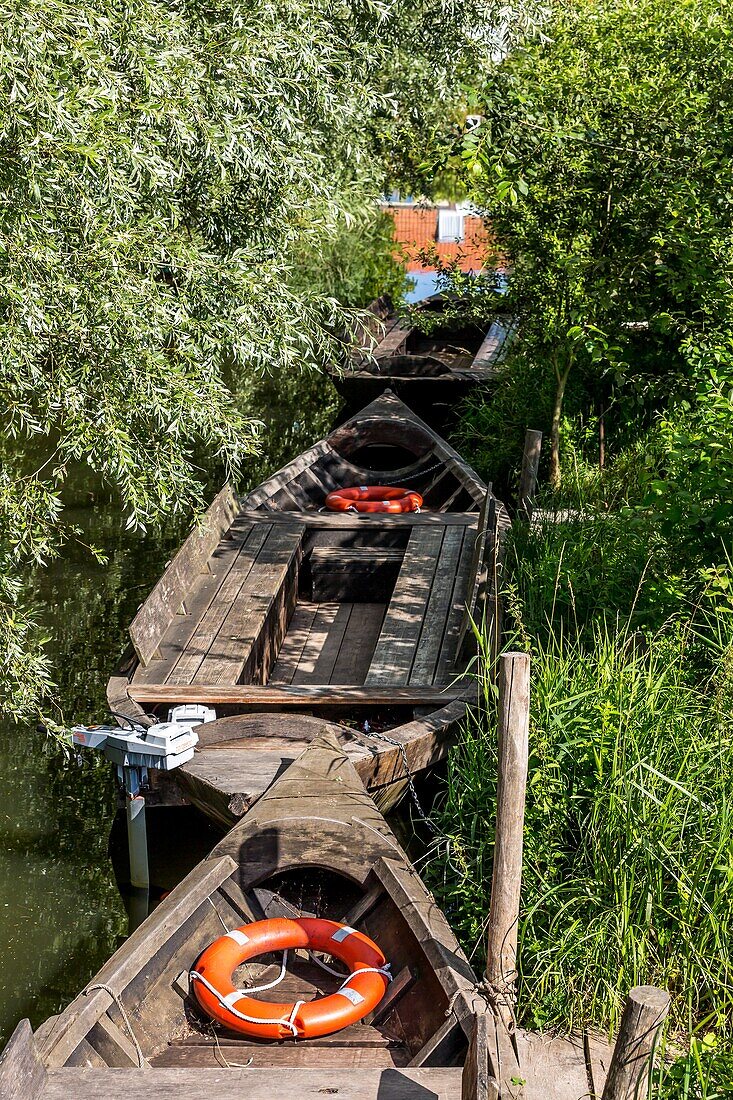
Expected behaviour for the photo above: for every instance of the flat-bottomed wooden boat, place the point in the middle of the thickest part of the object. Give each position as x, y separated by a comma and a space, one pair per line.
315, 844
288, 619
432, 370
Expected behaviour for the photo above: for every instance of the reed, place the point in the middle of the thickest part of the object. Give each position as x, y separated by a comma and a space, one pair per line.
628, 870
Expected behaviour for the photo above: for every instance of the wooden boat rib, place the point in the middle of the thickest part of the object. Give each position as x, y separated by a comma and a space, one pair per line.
425, 369
274, 609
315, 844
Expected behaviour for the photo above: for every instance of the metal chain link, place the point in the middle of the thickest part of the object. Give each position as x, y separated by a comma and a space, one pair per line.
367, 731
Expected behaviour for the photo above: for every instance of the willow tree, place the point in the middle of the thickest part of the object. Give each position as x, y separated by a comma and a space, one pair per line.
604, 164
162, 165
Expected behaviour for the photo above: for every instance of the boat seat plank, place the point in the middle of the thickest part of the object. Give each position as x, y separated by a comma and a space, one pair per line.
256, 1084
232, 648
296, 695
197, 646
439, 606
449, 648
197, 603
397, 645
345, 1058
393, 341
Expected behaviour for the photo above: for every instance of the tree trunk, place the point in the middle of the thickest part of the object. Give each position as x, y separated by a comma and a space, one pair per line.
562, 380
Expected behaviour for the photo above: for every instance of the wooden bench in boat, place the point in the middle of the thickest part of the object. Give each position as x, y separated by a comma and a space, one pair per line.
233, 617
418, 640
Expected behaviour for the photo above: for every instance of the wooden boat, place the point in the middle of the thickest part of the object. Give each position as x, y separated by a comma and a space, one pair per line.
286, 618
315, 844
430, 371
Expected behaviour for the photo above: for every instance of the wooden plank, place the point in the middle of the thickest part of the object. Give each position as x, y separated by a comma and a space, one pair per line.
324, 666
445, 670
295, 640
396, 647
477, 1082
496, 343
161, 606
22, 1073
303, 695
477, 571
357, 648
256, 1084
557, 1068
436, 614
230, 651
196, 604
133, 956
203, 636
361, 521
393, 341
322, 622
344, 1058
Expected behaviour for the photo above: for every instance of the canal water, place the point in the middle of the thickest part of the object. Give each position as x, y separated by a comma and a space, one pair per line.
61, 911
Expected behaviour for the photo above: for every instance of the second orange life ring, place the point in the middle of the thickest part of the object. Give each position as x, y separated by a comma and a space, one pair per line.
374, 498
360, 993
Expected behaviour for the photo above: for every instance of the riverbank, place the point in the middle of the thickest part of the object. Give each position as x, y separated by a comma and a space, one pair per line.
628, 834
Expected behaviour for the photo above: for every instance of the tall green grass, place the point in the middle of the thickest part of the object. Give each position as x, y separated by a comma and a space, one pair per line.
628, 871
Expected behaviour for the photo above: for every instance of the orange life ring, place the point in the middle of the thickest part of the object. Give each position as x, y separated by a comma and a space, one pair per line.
360, 993
374, 498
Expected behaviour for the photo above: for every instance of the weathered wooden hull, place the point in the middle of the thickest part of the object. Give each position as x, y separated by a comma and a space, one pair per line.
286, 618
429, 373
316, 816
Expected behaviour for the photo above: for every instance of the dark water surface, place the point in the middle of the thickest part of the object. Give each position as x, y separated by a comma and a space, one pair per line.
61, 912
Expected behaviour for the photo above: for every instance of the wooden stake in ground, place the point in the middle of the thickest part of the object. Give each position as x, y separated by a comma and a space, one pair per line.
513, 746
528, 479
644, 1014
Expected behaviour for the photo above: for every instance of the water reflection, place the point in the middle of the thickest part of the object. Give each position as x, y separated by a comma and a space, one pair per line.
61, 913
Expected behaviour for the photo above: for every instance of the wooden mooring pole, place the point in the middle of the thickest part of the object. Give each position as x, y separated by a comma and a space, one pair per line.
528, 478
633, 1056
513, 747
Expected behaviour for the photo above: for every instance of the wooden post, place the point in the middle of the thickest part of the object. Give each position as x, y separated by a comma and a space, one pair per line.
528, 479
644, 1014
513, 746
477, 1082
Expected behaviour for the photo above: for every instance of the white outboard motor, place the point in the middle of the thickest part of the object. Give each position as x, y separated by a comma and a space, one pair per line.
133, 749
165, 746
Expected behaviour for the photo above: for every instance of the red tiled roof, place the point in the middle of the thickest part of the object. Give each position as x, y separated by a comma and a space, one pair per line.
416, 229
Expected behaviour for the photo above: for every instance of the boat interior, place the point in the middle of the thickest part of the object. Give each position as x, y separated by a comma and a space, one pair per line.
284, 604
288, 598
